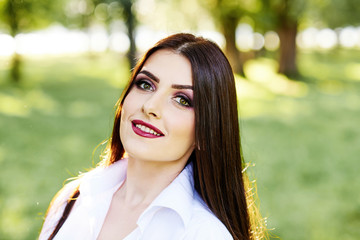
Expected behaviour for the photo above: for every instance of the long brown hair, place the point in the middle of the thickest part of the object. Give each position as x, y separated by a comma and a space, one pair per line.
217, 159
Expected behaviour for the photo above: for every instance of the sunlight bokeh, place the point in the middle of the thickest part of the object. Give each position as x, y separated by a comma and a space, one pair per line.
352, 71
272, 41
13, 106
22, 105
264, 72
7, 46
58, 40
52, 41
349, 37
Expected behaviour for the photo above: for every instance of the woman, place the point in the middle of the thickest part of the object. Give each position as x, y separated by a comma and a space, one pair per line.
173, 166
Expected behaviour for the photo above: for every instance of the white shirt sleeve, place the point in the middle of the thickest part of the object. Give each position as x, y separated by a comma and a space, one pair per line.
209, 228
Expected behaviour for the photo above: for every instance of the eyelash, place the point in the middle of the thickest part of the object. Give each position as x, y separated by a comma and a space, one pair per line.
188, 103
140, 85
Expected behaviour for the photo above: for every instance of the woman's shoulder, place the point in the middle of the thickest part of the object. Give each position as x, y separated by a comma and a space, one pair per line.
83, 182
205, 225
57, 207
65, 192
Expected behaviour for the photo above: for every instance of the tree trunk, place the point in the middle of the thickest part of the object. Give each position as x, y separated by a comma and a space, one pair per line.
130, 21
15, 71
287, 32
132, 50
11, 11
233, 54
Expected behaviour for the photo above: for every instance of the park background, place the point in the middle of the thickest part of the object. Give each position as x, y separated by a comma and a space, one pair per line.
64, 63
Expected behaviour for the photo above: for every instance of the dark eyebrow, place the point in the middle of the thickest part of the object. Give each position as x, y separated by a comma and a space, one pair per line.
177, 86
150, 75
156, 79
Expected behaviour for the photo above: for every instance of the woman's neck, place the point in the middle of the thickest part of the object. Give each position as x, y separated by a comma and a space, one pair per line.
145, 180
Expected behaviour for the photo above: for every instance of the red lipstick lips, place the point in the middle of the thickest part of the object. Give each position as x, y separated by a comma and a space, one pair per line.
155, 133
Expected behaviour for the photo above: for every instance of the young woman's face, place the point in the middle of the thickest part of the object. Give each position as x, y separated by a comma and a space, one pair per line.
157, 117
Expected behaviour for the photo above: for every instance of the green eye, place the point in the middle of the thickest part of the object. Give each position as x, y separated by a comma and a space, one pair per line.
144, 85
182, 101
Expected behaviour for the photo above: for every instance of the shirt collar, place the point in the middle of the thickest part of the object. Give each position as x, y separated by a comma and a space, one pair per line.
102, 179
178, 196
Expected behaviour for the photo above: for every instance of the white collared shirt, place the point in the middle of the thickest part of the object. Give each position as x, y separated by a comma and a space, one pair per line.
177, 213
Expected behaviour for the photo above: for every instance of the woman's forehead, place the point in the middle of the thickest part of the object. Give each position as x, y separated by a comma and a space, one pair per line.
167, 65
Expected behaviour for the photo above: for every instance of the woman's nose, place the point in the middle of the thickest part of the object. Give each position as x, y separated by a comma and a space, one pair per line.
152, 106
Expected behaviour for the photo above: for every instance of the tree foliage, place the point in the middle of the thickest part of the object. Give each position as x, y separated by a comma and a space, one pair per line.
333, 13
226, 15
105, 11
286, 17
283, 16
25, 15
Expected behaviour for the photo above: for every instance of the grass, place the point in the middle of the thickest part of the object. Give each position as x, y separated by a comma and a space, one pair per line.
302, 137
306, 151
50, 127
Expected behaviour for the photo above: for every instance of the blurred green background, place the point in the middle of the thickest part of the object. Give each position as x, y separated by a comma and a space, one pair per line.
63, 64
